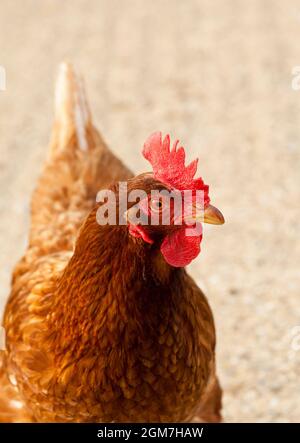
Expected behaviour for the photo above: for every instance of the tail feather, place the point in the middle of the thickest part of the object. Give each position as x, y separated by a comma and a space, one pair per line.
78, 166
76, 145
72, 120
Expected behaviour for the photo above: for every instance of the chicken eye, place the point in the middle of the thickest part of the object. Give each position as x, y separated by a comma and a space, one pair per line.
156, 205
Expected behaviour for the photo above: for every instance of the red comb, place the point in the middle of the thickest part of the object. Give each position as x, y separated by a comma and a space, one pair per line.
169, 165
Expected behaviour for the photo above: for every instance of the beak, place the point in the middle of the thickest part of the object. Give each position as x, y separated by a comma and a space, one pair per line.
213, 216
210, 215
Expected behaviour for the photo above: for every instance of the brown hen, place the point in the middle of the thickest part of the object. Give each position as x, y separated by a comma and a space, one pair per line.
99, 326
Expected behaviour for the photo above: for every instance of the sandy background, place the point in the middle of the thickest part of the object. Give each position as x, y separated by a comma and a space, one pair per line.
217, 75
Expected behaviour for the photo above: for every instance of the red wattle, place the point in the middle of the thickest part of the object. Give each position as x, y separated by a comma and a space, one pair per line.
179, 249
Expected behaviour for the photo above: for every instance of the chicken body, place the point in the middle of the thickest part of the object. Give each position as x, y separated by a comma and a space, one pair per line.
107, 331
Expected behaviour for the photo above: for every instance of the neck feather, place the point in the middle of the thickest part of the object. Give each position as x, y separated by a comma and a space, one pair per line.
112, 278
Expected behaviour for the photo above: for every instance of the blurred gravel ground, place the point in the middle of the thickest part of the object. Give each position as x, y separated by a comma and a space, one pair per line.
217, 75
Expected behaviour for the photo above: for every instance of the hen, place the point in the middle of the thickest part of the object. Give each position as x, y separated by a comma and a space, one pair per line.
103, 323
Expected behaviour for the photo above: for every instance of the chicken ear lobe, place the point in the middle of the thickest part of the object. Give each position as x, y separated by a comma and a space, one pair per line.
179, 249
